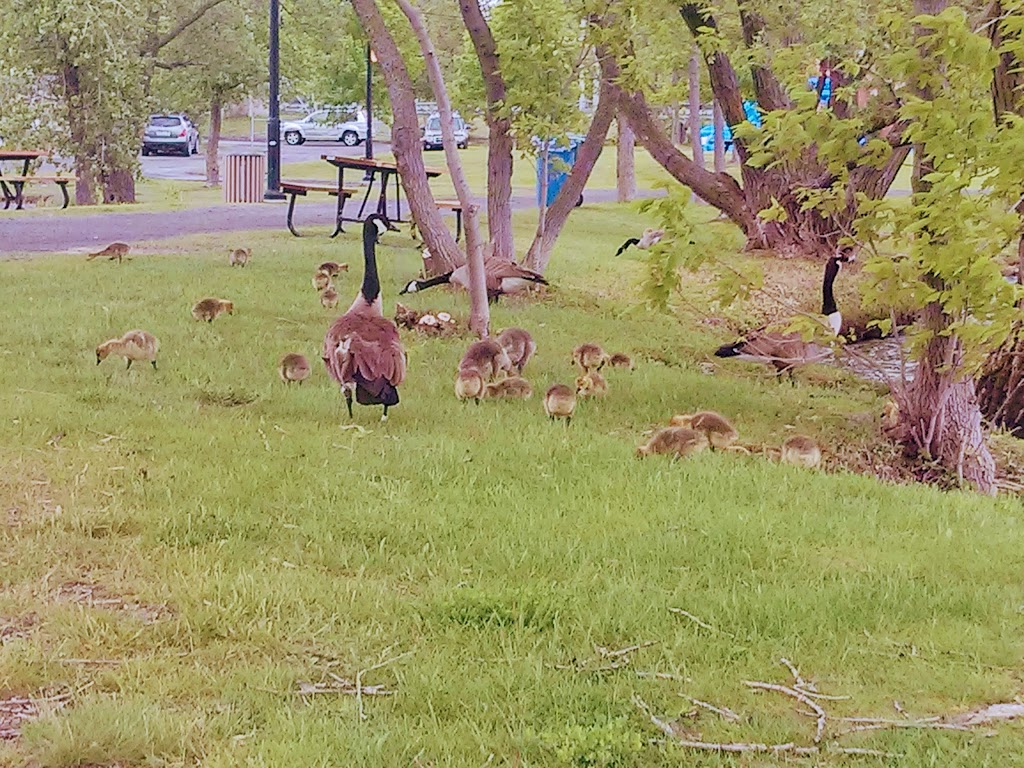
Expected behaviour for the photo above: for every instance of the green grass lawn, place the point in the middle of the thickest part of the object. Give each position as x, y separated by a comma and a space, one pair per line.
181, 549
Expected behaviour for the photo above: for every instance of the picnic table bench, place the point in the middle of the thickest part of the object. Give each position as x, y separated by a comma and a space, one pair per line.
13, 187
301, 188
456, 207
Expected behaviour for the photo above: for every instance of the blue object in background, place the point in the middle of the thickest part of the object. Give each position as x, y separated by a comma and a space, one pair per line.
826, 90
561, 158
707, 132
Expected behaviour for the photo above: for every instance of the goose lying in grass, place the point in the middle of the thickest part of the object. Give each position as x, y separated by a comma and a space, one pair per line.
501, 277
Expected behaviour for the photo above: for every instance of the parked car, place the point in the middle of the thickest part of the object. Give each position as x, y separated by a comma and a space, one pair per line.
170, 133
327, 125
432, 132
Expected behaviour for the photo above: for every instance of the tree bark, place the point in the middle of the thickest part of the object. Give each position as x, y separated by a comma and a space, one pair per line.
719, 137
85, 170
625, 167
119, 186
696, 148
499, 136
213, 141
405, 141
479, 315
586, 157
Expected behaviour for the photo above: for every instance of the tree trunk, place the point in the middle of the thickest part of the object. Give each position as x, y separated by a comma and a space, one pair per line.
586, 157
719, 137
85, 170
696, 148
625, 168
1001, 384
213, 141
479, 315
499, 137
405, 141
119, 186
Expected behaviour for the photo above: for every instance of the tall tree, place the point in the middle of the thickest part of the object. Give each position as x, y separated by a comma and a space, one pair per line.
625, 166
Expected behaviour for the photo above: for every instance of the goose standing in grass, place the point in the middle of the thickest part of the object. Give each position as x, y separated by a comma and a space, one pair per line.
488, 357
113, 251
469, 384
560, 402
209, 309
501, 277
332, 268
785, 351
801, 451
591, 384
620, 360
720, 432
646, 240
321, 280
240, 257
511, 387
679, 442
362, 349
134, 345
329, 297
293, 367
519, 345
589, 357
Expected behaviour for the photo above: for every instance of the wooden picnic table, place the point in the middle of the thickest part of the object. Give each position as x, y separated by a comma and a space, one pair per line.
13, 186
372, 168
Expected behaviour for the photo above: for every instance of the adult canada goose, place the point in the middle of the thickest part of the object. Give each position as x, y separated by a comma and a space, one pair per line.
362, 350
784, 351
501, 277
646, 240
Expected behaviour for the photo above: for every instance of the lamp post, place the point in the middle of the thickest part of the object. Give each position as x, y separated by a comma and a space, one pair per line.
274, 120
370, 58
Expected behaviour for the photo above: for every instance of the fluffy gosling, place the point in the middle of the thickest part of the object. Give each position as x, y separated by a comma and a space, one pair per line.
719, 431
589, 357
209, 308
113, 251
513, 386
332, 268
801, 451
591, 384
321, 280
560, 402
469, 384
329, 297
678, 442
620, 360
240, 257
293, 367
134, 345
488, 357
519, 345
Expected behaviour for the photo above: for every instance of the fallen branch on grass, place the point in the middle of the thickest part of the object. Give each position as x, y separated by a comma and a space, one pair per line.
723, 712
359, 679
799, 696
698, 622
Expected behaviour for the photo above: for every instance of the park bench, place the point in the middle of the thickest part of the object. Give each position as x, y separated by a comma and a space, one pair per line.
296, 188
456, 206
13, 188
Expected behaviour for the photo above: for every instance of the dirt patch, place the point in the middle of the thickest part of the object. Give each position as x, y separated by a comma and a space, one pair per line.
16, 628
97, 596
16, 710
26, 495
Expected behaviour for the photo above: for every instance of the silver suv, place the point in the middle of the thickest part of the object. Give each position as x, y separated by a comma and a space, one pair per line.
170, 133
327, 125
432, 132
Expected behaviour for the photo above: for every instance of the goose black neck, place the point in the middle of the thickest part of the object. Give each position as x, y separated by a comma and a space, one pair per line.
438, 280
371, 282
828, 299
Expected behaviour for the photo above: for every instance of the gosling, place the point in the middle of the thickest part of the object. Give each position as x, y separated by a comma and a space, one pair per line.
513, 386
321, 280
329, 297
801, 451
134, 345
620, 360
519, 345
591, 384
332, 268
560, 402
488, 357
209, 308
240, 257
719, 431
469, 384
589, 357
293, 367
113, 251
678, 442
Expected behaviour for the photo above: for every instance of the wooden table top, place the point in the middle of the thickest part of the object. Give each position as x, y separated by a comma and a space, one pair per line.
22, 154
346, 161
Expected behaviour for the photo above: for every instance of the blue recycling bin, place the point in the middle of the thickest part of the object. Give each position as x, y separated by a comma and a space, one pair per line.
561, 158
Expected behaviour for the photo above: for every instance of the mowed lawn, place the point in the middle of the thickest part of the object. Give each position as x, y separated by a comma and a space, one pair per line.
182, 550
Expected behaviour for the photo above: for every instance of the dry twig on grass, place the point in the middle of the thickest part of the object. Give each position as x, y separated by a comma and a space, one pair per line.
723, 712
799, 696
359, 678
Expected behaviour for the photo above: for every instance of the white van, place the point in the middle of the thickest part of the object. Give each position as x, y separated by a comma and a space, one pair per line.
432, 132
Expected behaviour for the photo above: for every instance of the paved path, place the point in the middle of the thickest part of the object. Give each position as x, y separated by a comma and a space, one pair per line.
61, 233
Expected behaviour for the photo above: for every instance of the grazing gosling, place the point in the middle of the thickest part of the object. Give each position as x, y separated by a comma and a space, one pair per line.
329, 297
209, 308
240, 257
678, 442
488, 357
589, 357
134, 345
321, 280
332, 268
469, 384
890, 416
519, 345
620, 360
560, 402
719, 431
113, 251
293, 367
801, 451
591, 384
513, 386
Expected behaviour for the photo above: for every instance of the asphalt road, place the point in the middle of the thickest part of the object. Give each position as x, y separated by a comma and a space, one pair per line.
194, 168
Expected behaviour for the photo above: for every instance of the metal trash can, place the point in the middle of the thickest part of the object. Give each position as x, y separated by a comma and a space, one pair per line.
245, 178
560, 160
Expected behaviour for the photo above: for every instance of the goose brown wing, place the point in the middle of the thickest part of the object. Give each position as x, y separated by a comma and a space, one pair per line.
374, 351
501, 270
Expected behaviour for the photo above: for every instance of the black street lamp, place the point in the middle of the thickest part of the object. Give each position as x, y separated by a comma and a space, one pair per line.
370, 58
274, 120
